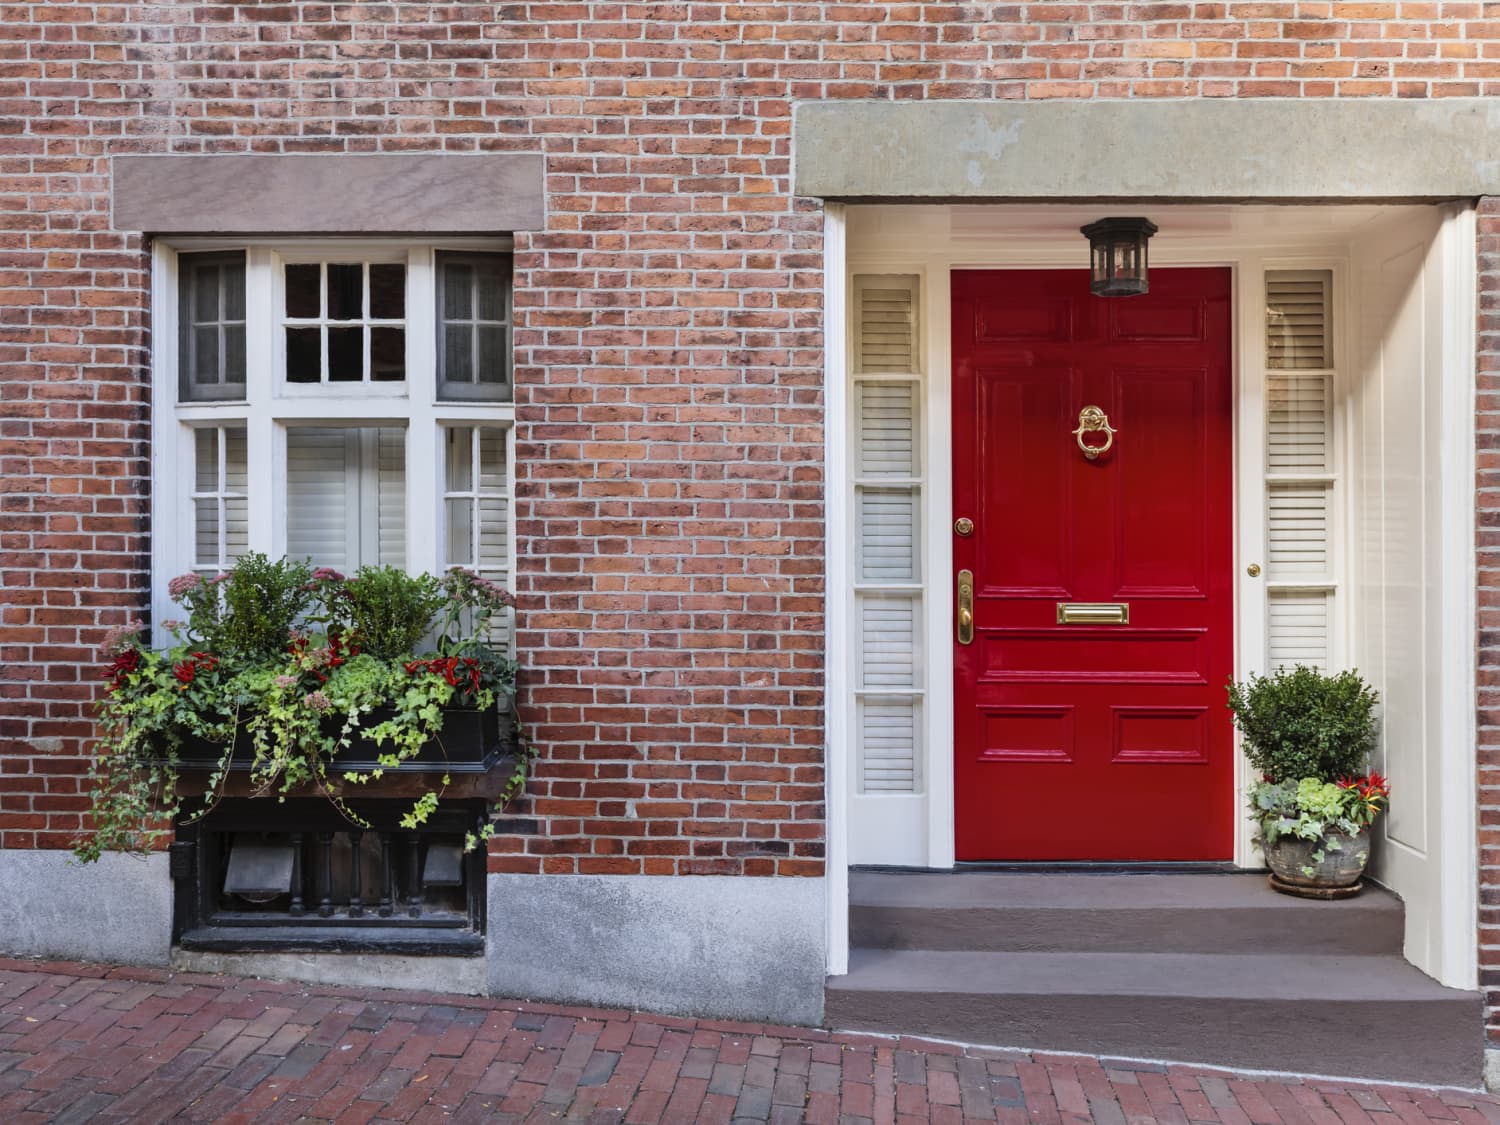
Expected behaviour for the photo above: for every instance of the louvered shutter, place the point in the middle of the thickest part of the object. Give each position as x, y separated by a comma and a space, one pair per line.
890, 679
1297, 319
887, 744
318, 515
346, 496
886, 325
1299, 458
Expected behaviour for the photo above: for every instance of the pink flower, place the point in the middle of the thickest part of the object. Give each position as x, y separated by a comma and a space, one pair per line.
121, 638
183, 585
285, 681
318, 701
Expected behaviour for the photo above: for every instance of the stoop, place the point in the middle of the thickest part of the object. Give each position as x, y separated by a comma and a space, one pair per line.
1206, 968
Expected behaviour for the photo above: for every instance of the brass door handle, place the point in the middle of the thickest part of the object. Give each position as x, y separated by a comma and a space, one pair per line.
965, 606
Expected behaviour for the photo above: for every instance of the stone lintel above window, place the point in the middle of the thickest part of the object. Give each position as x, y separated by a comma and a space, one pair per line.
446, 193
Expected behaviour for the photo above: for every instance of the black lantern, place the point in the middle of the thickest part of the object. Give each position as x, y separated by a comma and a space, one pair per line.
1117, 256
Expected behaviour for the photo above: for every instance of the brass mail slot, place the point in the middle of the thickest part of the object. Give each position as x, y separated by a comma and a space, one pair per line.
1093, 613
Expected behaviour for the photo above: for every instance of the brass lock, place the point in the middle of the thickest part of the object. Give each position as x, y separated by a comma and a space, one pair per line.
963, 527
965, 607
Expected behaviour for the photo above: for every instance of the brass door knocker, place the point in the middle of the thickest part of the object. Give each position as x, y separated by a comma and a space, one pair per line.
1092, 420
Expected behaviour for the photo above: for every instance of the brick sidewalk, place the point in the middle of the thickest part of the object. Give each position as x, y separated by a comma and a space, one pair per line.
93, 1043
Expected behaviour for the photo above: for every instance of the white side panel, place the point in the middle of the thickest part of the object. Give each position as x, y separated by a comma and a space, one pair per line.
1411, 460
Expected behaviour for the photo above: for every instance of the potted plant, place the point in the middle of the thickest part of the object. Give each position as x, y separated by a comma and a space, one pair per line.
301, 680
1310, 734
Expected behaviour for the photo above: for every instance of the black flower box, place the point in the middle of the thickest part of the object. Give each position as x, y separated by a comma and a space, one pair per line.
470, 741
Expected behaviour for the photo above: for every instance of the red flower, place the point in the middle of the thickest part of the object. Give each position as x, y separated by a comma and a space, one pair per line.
185, 671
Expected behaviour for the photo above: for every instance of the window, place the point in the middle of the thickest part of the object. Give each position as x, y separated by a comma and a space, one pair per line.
346, 403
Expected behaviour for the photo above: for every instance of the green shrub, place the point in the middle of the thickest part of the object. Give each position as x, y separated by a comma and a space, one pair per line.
249, 611
390, 611
1304, 723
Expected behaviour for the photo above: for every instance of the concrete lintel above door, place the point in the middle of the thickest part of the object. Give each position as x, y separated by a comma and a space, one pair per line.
1285, 150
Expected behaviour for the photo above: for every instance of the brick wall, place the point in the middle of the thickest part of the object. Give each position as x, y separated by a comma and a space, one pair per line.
668, 339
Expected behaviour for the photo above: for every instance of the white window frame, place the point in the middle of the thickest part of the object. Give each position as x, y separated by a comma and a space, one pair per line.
271, 404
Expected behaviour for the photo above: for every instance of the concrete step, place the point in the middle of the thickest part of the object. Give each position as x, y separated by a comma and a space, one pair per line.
1359, 1016
1211, 914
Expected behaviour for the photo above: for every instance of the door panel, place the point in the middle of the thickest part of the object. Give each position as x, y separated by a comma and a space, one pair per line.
1093, 741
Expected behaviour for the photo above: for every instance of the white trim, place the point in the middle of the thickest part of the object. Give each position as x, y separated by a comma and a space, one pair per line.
271, 406
1456, 956
838, 704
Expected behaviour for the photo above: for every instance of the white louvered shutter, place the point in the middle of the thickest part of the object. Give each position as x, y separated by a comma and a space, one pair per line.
890, 680
346, 496
886, 324
1297, 334
1300, 485
887, 743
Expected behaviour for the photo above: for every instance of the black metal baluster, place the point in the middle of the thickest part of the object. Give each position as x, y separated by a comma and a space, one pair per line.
325, 868
414, 876
297, 909
356, 905
387, 876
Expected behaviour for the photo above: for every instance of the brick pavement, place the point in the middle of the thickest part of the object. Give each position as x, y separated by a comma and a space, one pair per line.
96, 1043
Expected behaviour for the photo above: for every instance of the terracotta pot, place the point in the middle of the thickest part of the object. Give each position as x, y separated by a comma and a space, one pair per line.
1294, 861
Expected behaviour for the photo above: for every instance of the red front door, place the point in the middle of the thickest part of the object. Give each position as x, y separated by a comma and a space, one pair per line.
1089, 701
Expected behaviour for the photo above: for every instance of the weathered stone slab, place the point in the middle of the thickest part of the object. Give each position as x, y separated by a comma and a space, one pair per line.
1315, 149
483, 193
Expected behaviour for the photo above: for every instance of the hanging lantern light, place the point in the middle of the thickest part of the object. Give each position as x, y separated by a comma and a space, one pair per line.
1117, 256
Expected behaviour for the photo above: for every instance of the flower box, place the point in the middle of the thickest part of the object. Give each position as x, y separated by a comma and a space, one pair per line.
470, 741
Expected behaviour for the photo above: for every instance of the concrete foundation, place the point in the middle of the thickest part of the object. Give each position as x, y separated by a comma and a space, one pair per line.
119, 909
464, 975
733, 947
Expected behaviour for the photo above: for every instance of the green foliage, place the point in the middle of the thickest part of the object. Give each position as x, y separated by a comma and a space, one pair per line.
1304, 723
1309, 808
389, 611
249, 611
253, 665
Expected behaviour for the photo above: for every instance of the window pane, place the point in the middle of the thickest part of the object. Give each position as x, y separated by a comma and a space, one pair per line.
492, 365
460, 459
205, 280
494, 528
304, 361
206, 354
236, 470
458, 281
491, 292
234, 353
233, 281
206, 533
346, 355
387, 354
492, 471
236, 527
388, 292
346, 297
302, 290
460, 532
206, 459
458, 362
